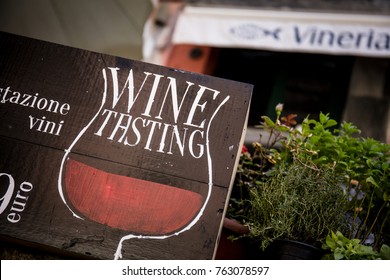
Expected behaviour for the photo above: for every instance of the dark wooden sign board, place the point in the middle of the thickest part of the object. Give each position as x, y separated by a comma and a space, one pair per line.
106, 157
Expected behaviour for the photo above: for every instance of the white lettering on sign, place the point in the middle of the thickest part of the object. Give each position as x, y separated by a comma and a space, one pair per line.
45, 126
161, 126
20, 200
285, 31
6, 198
40, 124
33, 101
342, 39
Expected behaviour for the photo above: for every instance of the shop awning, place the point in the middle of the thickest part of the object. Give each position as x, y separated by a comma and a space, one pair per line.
290, 31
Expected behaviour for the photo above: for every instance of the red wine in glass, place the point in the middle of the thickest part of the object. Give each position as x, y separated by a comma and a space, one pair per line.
129, 204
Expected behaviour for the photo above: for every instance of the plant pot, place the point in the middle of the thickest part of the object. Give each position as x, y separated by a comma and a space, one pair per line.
233, 249
283, 249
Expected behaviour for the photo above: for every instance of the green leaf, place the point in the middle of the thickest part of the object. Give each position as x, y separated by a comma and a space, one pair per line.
282, 128
330, 242
385, 252
366, 250
386, 196
323, 118
338, 255
372, 181
330, 123
385, 166
315, 138
268, 121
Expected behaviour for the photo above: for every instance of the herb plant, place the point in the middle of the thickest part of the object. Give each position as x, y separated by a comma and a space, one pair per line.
300, 202
329, 153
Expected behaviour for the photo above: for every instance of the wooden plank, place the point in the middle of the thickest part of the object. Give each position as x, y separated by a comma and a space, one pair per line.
106, 157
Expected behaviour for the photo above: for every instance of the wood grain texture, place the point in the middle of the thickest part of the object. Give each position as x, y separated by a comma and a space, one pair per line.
105, 157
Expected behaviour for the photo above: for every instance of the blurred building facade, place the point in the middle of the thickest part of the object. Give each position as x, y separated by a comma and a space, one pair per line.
325, 55
312, 55
111, 27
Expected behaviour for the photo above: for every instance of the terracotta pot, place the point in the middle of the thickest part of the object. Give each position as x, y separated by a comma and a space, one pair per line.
237, 249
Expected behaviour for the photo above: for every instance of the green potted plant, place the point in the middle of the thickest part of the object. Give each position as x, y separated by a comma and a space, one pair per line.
305, 183
299, 204
364, 166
